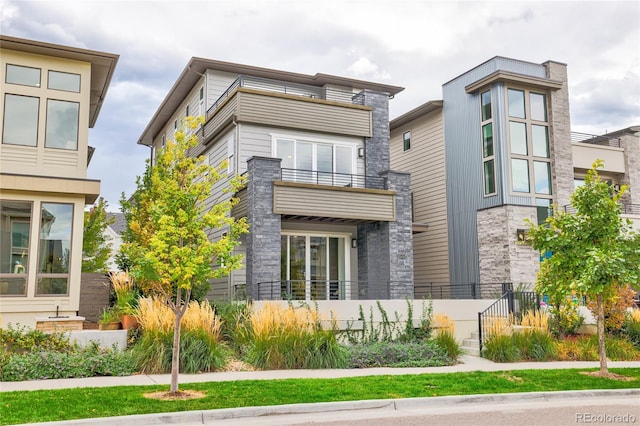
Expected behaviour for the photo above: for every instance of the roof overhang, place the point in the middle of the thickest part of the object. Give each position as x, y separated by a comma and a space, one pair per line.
423, 109
510, 77
197, 67
102, 65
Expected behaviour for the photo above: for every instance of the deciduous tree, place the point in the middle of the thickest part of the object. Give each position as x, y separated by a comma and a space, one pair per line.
170, 221
593, 250
95, 244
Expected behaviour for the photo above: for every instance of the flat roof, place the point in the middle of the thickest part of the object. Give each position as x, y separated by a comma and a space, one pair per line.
102, 65
419, 111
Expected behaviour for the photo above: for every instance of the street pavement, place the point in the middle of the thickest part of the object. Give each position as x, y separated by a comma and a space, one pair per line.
253, 415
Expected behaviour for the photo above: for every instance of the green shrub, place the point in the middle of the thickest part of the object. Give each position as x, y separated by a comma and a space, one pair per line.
235, 328
397, 354
565, 319
501, 348
88, 362
22, 340
631, 329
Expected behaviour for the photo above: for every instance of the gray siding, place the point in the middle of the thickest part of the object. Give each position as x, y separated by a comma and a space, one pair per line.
464, 160
426, 163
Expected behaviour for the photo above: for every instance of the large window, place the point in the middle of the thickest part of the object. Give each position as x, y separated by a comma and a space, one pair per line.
316, 162
15, 225
55, 249
488, 155
529, 145
62, 124
20, 120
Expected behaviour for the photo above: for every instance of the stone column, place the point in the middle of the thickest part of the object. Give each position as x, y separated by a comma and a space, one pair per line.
500, 258
377, 158
263, 240
560, 135
630, 142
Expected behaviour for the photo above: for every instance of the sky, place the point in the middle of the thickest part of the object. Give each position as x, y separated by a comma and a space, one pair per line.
415, 44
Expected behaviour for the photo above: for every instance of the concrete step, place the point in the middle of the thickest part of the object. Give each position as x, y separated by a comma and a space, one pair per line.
474, 351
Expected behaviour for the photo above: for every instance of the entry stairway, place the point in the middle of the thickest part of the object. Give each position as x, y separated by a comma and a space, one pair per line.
471, 345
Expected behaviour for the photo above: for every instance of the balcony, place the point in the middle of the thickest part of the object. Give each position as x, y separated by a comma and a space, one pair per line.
289, 105
312, 196
587, 148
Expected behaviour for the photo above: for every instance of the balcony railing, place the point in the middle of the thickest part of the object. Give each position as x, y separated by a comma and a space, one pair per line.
594, 139
626, 208
285, 87
332, 179
363, 290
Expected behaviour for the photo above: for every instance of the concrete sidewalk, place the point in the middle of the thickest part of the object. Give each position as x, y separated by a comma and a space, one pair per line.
467, 363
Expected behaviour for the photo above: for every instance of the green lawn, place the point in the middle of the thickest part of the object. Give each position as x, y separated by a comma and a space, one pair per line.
78, 403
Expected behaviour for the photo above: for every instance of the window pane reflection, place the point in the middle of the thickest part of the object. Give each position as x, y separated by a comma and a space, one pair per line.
55, 247
62, 124
20, 120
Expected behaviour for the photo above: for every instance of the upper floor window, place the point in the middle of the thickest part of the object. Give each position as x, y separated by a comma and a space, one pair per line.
529, 144
20, 120
315, 162
488, 158
62, 124
65, 81
201, 102
25, 76
230, 154
406, 141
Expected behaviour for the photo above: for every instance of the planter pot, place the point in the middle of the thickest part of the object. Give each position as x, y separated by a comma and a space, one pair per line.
109, 326
129, 321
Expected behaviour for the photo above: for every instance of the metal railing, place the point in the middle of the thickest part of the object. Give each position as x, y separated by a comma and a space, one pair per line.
577, 137
505, 311
288, 88
367, 290
626, 208
332, 179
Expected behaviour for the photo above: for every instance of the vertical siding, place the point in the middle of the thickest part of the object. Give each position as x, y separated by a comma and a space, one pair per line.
464, 160
426, 163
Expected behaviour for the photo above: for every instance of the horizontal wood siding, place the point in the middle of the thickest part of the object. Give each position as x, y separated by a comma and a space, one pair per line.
220, 119
255, 141
303, 114
319, 201
426, 163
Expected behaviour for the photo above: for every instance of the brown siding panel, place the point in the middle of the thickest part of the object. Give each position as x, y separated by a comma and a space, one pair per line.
322, 202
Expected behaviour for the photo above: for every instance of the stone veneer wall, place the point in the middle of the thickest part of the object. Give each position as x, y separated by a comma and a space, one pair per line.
560, 135
263, 240
500, 257
631, 145
385, 249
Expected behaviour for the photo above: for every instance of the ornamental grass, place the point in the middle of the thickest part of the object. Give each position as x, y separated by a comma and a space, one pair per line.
200, 346
288, 337
444, 336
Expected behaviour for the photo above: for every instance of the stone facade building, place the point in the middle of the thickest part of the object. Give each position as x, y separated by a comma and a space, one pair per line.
495, 150
328, 218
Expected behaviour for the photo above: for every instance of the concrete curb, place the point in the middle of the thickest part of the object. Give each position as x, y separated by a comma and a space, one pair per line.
208, 416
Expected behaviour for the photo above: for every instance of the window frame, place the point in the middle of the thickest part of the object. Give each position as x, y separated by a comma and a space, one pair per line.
4, 120
9, 220
48, 121
54, 275
406, 141
6, 75
486, 119
532, 146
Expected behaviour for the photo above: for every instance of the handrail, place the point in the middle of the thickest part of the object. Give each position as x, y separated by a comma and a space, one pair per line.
332, 179
577, 137
510, 306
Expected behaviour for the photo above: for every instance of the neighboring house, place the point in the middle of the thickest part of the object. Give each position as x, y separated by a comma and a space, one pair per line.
495, 150
51, 96
328, 219
113, 232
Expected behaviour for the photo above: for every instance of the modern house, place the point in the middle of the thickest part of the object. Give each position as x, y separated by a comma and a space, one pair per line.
51, 96
495, 150
328, 218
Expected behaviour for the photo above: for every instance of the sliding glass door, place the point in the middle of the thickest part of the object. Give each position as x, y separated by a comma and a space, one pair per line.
314, 267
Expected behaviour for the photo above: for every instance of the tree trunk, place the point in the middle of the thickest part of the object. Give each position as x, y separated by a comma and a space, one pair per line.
601, 347
175, 355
